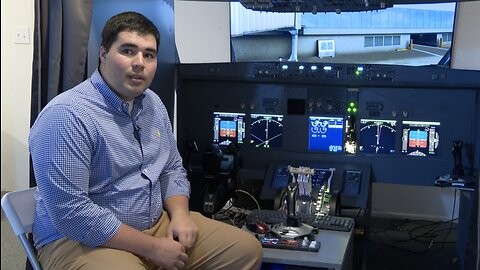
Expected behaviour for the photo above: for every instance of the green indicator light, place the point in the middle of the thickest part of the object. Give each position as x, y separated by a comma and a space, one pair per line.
352, 104
354, 109
349, 109
357, 72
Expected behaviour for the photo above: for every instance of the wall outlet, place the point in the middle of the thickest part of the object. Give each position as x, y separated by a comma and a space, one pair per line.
22, 35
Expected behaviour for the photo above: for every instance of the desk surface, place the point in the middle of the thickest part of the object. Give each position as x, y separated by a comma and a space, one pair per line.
336, 248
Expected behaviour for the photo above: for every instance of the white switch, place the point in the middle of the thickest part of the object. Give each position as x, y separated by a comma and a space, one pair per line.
22, 35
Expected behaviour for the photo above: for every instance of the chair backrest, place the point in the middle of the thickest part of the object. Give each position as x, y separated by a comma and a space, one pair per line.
19, 208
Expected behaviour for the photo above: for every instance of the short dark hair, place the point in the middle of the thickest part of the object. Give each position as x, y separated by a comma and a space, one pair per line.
130, 22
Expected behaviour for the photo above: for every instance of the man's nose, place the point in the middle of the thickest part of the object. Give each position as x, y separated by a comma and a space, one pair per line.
139, 60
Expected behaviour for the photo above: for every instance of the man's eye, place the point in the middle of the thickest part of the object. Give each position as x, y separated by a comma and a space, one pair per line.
127, 51
150, 55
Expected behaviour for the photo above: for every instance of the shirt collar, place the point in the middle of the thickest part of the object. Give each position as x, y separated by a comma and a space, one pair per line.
111, 97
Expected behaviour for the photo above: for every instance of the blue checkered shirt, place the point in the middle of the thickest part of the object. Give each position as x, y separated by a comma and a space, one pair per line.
98, 166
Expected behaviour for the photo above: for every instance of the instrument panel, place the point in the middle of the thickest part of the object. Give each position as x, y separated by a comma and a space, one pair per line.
400, 121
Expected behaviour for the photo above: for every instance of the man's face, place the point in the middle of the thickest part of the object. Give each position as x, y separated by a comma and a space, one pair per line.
130, 64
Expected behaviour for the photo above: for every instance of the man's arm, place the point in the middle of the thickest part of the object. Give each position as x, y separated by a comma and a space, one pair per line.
177, 205
60, 144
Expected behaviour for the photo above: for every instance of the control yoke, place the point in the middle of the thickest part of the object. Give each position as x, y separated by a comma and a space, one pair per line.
190, 147
458, 171
220, 169
291, 198
299, 186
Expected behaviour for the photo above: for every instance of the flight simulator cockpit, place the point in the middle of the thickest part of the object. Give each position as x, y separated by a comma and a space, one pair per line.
309, 136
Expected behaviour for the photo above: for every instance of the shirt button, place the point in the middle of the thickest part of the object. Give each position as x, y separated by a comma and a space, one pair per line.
145, 171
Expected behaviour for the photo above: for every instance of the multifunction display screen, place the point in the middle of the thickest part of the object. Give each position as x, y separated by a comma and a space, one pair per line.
420, 138
377, 136
325, 133
228, 127
266, 130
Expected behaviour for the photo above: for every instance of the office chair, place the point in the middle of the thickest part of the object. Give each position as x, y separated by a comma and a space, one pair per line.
19, 208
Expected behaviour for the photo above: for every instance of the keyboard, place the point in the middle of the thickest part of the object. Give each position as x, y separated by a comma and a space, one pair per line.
335, 223
267, 216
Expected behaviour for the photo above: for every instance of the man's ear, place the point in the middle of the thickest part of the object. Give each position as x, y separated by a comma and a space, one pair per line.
102, 54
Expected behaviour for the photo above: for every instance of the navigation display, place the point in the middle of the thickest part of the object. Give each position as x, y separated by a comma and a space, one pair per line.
325, 133
266, 130
377, 136
228, 127
420, 138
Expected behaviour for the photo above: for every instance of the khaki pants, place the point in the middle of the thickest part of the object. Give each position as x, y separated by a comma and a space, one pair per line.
218, 246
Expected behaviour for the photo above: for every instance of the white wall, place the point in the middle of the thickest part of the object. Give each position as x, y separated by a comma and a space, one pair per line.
466, 43
202, 35
16, 85
202, 31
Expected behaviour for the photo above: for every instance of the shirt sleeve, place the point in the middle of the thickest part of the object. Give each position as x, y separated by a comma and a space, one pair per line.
61, 146
173, 178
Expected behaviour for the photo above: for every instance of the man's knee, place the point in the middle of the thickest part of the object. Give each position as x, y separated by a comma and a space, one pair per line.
257, 253
66, 254
251, 250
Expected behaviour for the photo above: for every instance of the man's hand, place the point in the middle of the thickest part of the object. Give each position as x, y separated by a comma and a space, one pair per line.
183, 229
168, 254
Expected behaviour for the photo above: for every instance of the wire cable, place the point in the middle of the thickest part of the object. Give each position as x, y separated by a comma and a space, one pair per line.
249, 195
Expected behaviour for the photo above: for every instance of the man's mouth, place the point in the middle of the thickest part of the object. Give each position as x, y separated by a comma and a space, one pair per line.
136, 78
